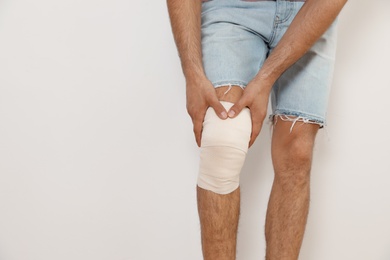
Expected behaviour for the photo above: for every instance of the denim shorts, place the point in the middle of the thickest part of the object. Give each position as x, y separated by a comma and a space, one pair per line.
238, 35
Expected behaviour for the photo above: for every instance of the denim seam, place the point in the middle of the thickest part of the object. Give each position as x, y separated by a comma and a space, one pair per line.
289, 13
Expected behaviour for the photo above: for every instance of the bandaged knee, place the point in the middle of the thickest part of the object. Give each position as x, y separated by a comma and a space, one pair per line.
224, 146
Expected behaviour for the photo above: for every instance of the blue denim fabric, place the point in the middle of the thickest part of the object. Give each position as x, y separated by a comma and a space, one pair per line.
238, 35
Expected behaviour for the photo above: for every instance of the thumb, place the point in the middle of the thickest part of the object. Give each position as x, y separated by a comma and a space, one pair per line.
218, 108
236, 108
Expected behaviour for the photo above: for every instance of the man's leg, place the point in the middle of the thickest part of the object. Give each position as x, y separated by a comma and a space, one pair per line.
219, 213
219, 222
289, 200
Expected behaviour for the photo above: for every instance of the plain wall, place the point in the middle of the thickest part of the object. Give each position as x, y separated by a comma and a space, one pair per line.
97, 156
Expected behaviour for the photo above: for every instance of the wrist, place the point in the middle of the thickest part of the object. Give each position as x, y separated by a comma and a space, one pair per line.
263, 83
194, 77
192, 69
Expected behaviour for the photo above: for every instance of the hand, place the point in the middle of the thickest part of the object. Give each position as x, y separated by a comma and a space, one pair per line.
201, 95
256, 100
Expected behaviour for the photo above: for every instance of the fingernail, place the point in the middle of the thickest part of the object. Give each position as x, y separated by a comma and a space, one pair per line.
223, 114
231, 113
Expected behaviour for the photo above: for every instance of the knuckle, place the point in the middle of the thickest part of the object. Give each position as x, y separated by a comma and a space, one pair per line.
216, 107
246, 99
237, 106
211, 97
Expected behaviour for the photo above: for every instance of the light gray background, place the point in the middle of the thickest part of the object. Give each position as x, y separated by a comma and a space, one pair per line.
97, 156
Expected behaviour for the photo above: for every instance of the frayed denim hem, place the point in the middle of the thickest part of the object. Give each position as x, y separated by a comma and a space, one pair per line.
295, 117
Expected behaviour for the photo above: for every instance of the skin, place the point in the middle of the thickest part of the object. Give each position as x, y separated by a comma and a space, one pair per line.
219, 223
219, 214
309, 24
291, 152
288, 205
313, 19
185, 21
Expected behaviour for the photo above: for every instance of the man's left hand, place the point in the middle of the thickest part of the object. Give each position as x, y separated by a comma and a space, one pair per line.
255, 97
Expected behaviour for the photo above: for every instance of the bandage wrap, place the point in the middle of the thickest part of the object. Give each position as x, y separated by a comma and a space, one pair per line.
223, 150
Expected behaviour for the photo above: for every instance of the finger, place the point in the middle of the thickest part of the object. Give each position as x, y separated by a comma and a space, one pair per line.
256, 128
198, 124
237, 107
255, 132
218, 108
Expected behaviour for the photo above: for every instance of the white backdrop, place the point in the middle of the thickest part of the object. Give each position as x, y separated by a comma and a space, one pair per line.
97, 156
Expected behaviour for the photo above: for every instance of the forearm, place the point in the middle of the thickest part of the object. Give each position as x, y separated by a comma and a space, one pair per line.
185, 18
310, 23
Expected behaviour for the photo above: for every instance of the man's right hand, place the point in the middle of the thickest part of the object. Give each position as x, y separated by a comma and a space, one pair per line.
201, 95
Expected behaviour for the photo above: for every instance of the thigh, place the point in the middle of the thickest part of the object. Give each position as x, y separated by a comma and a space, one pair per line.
231, 56
303, 90
292, 147
232, 50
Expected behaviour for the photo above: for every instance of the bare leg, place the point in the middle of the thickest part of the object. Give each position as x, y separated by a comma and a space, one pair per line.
289, 201
219, 223
218, 213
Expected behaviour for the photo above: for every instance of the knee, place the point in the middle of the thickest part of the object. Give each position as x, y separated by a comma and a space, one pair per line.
293, 161
300, 150
223, 150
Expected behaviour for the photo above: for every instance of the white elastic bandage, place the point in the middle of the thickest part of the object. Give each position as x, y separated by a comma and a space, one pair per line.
223, 150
